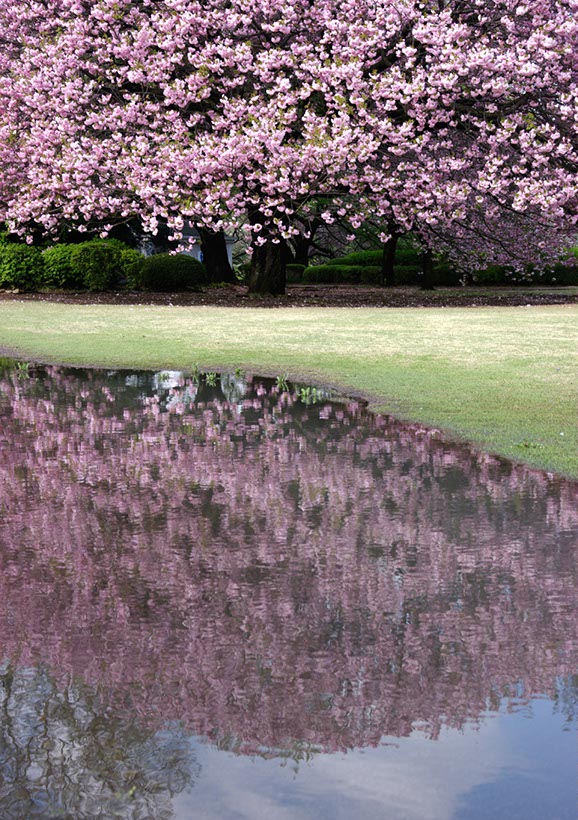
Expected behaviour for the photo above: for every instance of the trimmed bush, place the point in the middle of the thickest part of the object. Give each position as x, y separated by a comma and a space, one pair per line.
295, 272
407, 254
21, 267
562, 275
406, 275
371, 275
360, 259
446, 276
96, 264
333, 274
59, 271
131, 265
164, 271
493, 275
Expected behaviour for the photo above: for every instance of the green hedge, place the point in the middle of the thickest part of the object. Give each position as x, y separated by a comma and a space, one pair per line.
96, 263
59, 271
360, 259
131, 265
168, 272
295, 272
342, 274
561, 274
405, 254
371, 275
21, 266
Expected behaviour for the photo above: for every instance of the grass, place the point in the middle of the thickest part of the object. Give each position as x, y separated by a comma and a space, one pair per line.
503, 378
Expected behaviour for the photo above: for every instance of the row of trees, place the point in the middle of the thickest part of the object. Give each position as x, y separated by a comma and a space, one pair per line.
452, 119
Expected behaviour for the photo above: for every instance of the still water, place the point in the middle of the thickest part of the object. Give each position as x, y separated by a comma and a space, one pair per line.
220, 598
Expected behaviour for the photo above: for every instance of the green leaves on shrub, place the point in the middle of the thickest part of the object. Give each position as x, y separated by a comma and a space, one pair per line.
340, 274
96, 263
360, 258
167, 272
59, 271
295, 272
131, 265
372, 275
21, 267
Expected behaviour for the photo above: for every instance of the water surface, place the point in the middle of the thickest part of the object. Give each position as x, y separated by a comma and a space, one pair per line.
220, 598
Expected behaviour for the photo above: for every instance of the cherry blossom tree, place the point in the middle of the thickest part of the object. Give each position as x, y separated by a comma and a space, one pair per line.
454, 119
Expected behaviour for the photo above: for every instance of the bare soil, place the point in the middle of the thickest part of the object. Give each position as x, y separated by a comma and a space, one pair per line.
317, 296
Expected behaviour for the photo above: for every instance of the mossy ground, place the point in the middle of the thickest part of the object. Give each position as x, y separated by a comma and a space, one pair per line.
504, 378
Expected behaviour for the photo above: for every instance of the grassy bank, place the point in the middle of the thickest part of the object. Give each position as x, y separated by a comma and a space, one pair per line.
503, 378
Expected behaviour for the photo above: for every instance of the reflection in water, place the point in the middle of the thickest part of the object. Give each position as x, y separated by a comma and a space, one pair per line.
281, 578
63, 754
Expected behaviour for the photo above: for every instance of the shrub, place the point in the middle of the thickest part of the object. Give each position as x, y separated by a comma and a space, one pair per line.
96, 263
295, 272
242, 271
406, 275
360, 258
445, 275
493, 275
371, 275
164, 271
59, 272
131, 264
562, 274
333, 274
407, 254
21, 266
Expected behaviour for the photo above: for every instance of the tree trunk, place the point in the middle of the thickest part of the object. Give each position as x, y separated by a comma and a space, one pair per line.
388, 261
215, 257
427, 281
301, 247
268, 268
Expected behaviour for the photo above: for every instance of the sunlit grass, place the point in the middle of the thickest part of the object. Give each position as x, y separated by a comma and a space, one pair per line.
503, 378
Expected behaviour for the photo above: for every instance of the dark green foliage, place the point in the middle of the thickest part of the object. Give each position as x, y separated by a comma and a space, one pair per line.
562, 275
59, 271
131, 265
445, 275
164, 271
242, 271
493, 275
295, 272
333, 274
360, 258
96, 263
407, 253
21, 266
406, 275
372, 275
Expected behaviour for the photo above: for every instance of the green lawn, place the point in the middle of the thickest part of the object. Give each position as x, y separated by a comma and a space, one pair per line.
503, 378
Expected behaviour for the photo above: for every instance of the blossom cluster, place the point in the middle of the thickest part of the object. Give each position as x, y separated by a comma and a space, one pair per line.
456, 120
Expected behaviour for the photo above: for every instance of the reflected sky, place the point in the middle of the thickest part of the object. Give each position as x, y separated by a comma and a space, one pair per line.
225, 598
